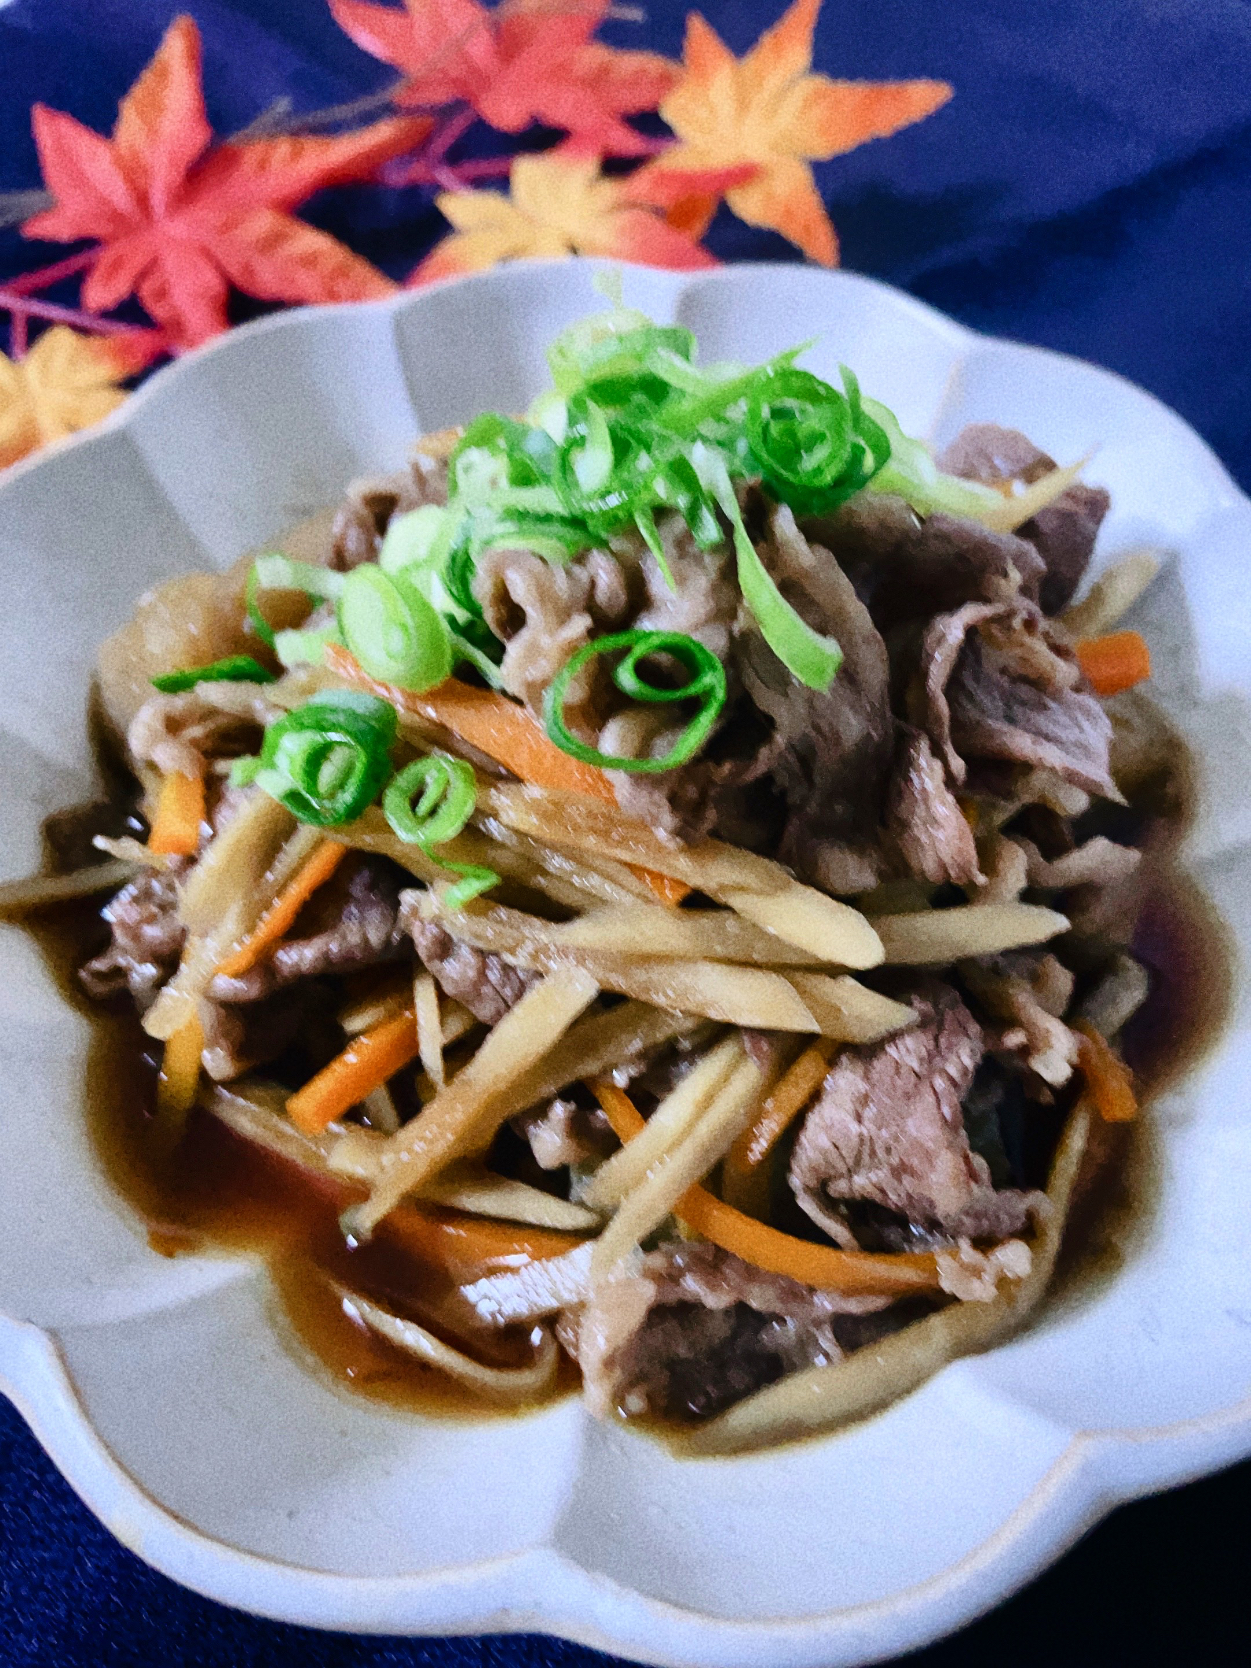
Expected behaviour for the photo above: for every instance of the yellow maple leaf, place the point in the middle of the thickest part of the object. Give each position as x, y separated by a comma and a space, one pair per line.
65, 383
768, 110
559, 203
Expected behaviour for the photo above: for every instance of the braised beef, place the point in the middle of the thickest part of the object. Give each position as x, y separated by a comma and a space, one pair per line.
487, 986
351, 923
1064, 533
886, 1126
366, 511
146, 938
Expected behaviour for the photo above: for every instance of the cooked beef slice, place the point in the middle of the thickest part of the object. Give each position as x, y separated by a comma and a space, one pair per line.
485, 984
997, 687
924, 818
240, 1037
562, 1132
543, 614
1064, 533
832, 749
690, 1329
179, 734
350, 923
905, 568
147, 938
370, 503
886, 1126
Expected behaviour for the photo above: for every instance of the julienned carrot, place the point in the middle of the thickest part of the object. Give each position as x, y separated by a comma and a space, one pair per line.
823, 1266
179, 813
788, 1099
1115, 662
505, 732
364, 1065
470, 1246
1107, 1077
284, 909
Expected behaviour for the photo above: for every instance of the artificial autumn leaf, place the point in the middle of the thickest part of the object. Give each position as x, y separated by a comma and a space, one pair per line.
65, 383
180, 222
767, 109
560, 204
524, 61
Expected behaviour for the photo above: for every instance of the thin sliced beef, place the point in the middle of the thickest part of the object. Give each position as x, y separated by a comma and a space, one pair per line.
238, 1038
998, 687
181, 733
543, 614
562, 1132
370, 503
487, 986
925, 819
832, 749
1064, 533
147, 939
905, 568
350, 924
886, 1126
690, 1329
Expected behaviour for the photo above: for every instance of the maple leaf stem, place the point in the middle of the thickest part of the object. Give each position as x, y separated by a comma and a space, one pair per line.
443, 138
22, 307
18, 337
29, 283
481, 168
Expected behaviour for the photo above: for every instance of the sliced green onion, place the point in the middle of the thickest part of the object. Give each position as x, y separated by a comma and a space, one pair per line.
235, 668
412, 539
445, 792
393, 630
244, 771
705, 683
327, 760
306, 646
811, 657
281, 573
260, 625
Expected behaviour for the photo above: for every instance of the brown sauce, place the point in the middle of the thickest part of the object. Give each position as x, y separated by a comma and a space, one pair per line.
225, 1195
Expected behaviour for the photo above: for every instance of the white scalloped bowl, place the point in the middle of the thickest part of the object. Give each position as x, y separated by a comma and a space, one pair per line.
163, 1389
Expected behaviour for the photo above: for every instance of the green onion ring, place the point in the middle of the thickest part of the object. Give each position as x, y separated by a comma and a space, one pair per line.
706, 684
327, 760
391, 628
445, 794
234, 668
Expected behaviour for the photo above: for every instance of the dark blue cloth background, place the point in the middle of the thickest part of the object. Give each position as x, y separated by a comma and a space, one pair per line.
1088, 189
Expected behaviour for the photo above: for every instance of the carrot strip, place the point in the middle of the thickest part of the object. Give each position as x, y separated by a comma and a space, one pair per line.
823, 1266
1108, 1079
286, 906
365, 1064
787, 1100
1115, 662
179, 813
505, 732
471, 1246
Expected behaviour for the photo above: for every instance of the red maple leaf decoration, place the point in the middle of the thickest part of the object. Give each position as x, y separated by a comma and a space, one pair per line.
180, 222
526, 61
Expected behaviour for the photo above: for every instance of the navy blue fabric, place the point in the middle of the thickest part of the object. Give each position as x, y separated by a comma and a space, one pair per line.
1088, 189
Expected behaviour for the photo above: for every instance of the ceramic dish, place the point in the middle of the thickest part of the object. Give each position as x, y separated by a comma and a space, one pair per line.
165, 1390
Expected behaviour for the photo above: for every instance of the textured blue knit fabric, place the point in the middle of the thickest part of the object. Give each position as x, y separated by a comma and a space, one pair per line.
1087, 189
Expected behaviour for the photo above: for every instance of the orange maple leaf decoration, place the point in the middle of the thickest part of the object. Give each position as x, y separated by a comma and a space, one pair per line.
769, 110
65, 383
523, 61
180, 222
559, 203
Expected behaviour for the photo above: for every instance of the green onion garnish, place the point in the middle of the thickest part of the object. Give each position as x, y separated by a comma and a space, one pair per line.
235, 668
392, 629
705, 684
327, 760
445, 793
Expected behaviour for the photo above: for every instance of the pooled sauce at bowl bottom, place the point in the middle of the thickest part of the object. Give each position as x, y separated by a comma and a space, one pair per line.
222, 1193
